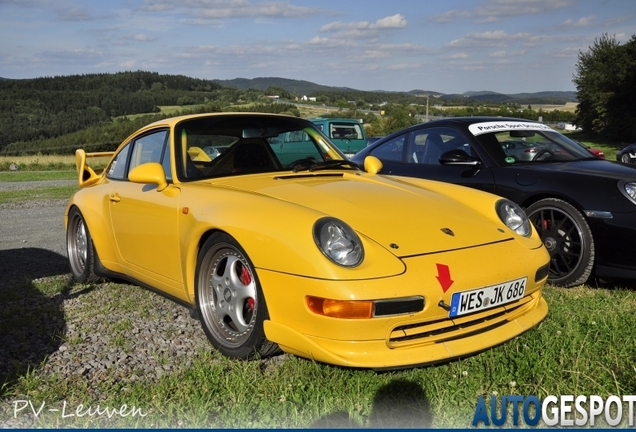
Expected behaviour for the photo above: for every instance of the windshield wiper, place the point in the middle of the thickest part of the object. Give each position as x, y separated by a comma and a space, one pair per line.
310, 164
333, 164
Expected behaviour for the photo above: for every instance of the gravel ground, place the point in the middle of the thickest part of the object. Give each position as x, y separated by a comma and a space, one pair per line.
105, 332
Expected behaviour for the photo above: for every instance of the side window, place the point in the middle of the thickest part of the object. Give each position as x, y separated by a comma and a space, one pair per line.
117, 168
391, 150
345, 131
148, 148
427, 145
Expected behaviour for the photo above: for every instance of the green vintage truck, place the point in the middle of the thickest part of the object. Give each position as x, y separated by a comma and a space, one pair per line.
347, 134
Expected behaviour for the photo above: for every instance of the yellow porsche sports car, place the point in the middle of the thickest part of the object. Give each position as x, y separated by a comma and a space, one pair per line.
278, 242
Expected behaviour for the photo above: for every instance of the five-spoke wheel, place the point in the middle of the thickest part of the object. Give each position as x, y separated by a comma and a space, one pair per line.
230, 300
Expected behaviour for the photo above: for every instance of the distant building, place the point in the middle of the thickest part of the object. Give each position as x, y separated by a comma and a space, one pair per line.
567, 127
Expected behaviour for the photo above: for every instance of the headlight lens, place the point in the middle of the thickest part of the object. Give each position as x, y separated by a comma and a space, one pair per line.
338, 242
630, 190
514, 217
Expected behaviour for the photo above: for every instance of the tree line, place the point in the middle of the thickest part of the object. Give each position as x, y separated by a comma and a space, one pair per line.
107, 135
50, 107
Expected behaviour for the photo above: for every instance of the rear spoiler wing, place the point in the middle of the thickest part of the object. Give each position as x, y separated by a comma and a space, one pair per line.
87, 175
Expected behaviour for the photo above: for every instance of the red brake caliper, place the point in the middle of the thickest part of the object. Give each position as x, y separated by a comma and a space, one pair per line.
246, 279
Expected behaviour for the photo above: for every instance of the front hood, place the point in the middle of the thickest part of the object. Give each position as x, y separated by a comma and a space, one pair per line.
404, 218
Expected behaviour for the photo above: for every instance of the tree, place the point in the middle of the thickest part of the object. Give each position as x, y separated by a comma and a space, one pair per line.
398, 117
278, 91
605, 80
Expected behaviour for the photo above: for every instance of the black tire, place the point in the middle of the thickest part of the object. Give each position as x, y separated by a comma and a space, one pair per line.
568, 238
625, 158
230, 300
81, 253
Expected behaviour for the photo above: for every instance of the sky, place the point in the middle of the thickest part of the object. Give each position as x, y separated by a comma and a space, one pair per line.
450, 46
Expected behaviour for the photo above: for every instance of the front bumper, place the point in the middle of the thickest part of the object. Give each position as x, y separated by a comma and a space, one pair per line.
615, 240
424, 337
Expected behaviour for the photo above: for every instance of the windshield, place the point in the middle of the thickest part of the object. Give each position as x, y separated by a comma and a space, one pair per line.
517, 142
244, 144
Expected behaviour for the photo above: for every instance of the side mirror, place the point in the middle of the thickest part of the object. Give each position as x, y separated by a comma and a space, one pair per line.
458, 157
149, 173
372, 164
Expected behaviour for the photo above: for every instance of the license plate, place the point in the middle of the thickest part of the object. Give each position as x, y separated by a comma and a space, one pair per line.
479, 299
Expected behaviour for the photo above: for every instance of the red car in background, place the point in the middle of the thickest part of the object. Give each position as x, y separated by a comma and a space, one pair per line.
596, 152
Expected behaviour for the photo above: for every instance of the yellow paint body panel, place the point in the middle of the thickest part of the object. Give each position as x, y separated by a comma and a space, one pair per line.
152, 233
367, 342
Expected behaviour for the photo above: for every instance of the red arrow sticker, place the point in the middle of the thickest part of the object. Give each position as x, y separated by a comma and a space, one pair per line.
444, 277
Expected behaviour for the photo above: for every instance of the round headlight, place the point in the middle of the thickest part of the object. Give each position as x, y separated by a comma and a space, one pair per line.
629, 189
338, 242
514, 217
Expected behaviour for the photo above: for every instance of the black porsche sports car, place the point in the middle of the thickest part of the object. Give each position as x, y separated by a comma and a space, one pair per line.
627, 154
583, 207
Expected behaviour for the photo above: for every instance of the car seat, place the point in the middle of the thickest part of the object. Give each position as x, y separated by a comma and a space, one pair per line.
251, 156
433, 149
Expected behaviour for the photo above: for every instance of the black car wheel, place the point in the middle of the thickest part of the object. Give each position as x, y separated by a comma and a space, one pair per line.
568, 238
80, 250
625, 158
230, 300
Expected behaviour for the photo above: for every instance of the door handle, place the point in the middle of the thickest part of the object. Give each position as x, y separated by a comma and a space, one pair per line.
114, 197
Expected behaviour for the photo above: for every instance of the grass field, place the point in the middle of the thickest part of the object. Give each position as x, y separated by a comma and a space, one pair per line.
586, 346
45, 163
569, 106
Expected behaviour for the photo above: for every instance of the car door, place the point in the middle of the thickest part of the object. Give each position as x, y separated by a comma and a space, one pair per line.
417, 154
145, 221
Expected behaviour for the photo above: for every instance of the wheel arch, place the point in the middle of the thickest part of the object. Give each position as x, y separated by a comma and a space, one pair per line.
99, 233
286, 248
538, 197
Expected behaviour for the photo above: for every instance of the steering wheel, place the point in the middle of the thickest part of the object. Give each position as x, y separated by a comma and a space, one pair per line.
542, 154
302, 161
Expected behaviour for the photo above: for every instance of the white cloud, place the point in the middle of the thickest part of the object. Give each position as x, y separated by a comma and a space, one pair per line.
488, 39
494, 10
141, 37
218, 9
390, 22
403, 66
583, 22
507, 54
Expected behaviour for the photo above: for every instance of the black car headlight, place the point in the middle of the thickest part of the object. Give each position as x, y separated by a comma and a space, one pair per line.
338, 242
629, 190
514, 217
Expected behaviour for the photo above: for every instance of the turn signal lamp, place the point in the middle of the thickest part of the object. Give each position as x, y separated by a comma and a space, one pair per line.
340, 308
